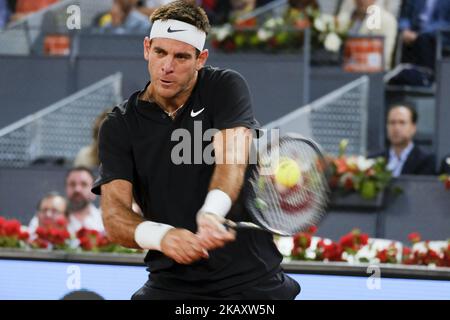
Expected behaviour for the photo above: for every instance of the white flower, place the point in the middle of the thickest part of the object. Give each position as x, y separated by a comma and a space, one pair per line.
332, 42
367, 253
320, 24
272, 23
343, 23
364, 164
223, 32
329, 21
264, 34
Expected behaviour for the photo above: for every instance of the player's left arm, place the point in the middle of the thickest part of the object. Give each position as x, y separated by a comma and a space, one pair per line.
231, 149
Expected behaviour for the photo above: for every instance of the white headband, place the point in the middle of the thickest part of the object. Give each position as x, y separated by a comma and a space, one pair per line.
178, 30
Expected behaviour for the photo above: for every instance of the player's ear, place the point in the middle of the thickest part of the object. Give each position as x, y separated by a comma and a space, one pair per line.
147, 44
201, 60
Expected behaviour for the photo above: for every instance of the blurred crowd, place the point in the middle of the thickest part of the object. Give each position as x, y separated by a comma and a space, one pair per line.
409, 27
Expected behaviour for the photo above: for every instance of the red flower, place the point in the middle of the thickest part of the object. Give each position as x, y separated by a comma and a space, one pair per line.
334, 182
341, 165
61, 222
229, 45
363, 239
272, 42
302, 240
330, 252
42, 233
40, 243
382, 255
103, 241
24, 235
406, 251
215, 43
11, 228
85, 243
346, 241
348, 183
354, 240
312, 230
447, 183
414, 237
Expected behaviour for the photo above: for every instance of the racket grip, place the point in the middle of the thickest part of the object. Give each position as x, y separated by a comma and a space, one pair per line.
229, 224
241, 225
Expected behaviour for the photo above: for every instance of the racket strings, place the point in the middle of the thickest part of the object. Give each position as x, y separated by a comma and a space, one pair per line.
291, 211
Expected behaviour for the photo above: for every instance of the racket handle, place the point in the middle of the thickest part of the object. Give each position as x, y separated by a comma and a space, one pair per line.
241, 225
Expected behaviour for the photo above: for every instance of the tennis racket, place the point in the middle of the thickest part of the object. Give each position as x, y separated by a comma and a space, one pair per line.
293, 195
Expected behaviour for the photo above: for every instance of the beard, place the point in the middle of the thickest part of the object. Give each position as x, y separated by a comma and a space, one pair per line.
75, 205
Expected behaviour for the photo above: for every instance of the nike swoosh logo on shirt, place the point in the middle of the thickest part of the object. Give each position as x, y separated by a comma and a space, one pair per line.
194, 114
169, 30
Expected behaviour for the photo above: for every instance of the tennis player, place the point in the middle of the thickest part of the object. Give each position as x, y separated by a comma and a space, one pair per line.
190, 254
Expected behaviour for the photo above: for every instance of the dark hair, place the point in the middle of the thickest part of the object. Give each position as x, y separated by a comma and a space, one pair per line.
79, 168
49, 195
185, 11
412, 110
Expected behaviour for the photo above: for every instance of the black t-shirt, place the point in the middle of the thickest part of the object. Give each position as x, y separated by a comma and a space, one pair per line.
136, 143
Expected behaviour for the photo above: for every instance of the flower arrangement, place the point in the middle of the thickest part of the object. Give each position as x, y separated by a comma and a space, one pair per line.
283, 33
55, 236
368, 177
92, 240
426, 252
357, 247
11, 234
52, 236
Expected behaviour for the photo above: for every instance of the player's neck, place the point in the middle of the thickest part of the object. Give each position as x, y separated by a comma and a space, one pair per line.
173, 103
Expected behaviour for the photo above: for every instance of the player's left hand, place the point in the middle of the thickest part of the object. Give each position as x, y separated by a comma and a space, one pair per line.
212, 232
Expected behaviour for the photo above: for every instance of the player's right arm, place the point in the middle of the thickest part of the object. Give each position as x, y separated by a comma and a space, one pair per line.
115, 186
127, 228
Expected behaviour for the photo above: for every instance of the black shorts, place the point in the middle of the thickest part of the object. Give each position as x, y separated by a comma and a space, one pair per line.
278, 287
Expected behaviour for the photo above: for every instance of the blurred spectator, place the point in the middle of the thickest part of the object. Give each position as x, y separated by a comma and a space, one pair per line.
391, 6
146, 7
81, 210
358, 25
418, 24
403, 156
240, 8
50, 208
4, 13
23, 8
445, 165
124, 18
297, 12
228, 11
218, 12
88, 155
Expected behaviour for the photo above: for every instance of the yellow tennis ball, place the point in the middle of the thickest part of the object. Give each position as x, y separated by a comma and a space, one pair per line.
287, 173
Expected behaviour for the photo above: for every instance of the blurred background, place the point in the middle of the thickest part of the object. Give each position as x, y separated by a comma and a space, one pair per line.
366, 79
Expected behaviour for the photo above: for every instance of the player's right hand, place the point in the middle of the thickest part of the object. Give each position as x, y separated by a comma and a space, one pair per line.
183, 246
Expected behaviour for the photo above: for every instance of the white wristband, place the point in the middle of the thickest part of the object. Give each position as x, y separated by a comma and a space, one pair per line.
217, 202
148, 234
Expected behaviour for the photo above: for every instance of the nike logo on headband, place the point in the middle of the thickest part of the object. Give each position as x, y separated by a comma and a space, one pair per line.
169, 30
